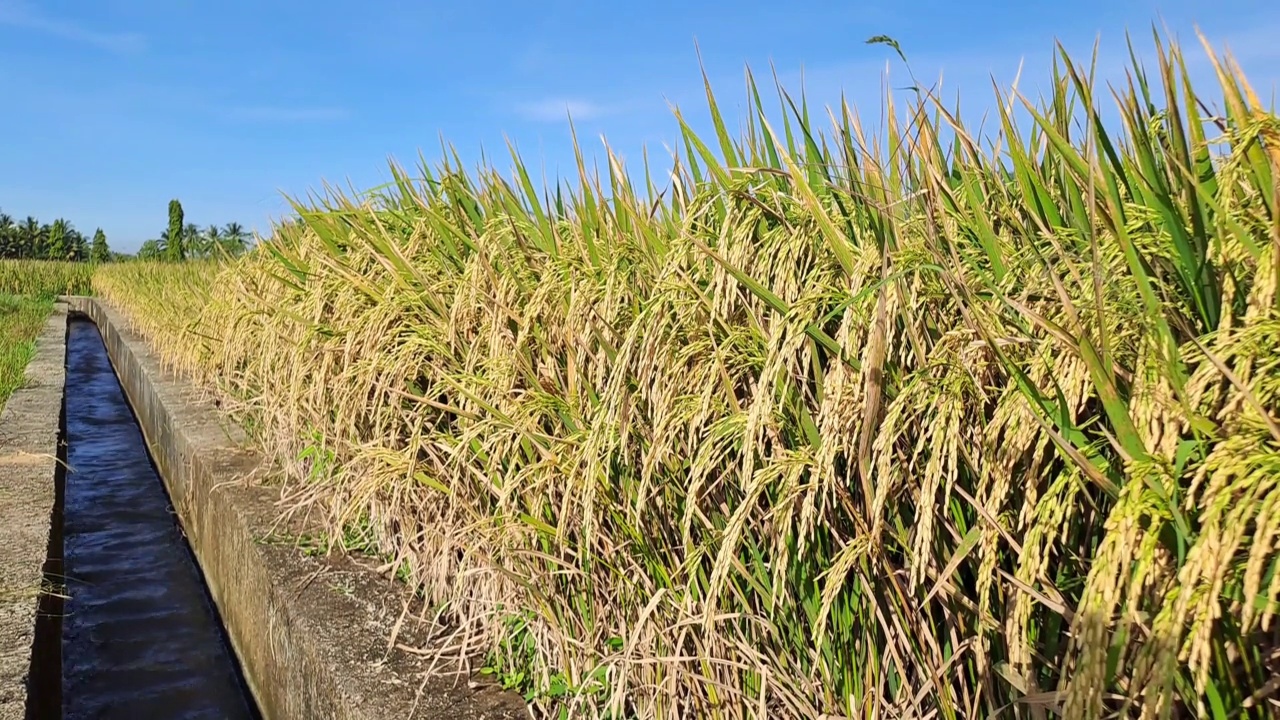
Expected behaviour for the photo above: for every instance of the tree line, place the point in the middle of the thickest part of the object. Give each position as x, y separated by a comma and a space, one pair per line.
30, 239
185, 241
60, 240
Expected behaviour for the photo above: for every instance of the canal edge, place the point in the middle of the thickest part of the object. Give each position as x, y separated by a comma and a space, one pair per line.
310, 633
32, 462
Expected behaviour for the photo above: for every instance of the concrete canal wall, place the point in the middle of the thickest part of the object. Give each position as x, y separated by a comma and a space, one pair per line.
311, 633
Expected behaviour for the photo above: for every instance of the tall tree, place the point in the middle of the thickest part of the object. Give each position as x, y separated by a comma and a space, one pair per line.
175, 249
98, 251
56, 245
60, 240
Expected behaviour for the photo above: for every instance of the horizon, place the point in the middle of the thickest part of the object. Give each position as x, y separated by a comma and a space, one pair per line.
231, 133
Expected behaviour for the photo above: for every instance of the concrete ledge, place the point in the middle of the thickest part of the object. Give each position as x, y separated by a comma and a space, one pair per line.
30, 532
311, 633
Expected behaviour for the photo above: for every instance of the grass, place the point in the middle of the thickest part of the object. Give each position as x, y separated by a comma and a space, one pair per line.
21, 320
903, 421
27, 291
45, 278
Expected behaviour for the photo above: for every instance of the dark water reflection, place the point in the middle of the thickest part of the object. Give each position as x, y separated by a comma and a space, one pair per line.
141, 639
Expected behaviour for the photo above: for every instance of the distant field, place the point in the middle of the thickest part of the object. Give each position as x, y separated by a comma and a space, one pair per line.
20, 321
45, 278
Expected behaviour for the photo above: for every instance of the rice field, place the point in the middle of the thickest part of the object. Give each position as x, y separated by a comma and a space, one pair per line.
27, 291
845, 421
45, 278
21, 319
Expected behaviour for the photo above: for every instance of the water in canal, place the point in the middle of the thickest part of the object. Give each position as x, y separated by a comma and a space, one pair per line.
140, 637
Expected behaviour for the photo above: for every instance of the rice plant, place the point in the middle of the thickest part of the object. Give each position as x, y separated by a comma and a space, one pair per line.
906, 421
168, 299
44, 278
21, 319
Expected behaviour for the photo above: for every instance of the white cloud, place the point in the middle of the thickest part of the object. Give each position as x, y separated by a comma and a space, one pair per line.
558, 109
284, 114
20, 15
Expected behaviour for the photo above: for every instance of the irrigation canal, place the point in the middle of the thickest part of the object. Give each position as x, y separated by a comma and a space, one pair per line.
140, 635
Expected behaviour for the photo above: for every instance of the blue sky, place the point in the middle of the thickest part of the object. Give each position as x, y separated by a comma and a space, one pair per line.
110, 108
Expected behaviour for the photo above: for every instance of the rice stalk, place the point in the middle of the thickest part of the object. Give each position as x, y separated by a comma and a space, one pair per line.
905, 421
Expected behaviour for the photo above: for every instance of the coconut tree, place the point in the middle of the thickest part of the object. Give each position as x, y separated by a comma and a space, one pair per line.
77, 245
30, 238
210, 241
191, 239
234, 238
8, 236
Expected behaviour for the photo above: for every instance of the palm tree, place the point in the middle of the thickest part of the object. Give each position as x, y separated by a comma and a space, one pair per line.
30, 240
211, 241
77, 246
234, 237
192, 240
8, 237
